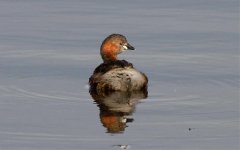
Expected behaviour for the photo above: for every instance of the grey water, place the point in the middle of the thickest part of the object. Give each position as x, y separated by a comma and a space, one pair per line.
189, 50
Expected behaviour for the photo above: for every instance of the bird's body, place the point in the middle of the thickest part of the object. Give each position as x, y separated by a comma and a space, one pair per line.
114, 74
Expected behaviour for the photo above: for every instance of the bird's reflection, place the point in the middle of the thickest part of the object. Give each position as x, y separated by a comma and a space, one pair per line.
116, 108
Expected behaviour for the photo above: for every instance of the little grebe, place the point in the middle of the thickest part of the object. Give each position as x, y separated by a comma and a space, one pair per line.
114, 74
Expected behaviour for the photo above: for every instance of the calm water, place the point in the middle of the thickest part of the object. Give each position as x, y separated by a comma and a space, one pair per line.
189, 50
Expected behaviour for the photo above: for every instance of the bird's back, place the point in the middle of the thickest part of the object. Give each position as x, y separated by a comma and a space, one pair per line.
118, 75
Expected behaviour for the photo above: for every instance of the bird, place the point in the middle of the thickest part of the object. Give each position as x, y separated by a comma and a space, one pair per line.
114, 74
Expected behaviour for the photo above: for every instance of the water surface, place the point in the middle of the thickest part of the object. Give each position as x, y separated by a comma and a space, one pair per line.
188, 49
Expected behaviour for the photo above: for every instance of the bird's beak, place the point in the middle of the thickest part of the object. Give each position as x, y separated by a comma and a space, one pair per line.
128, 47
